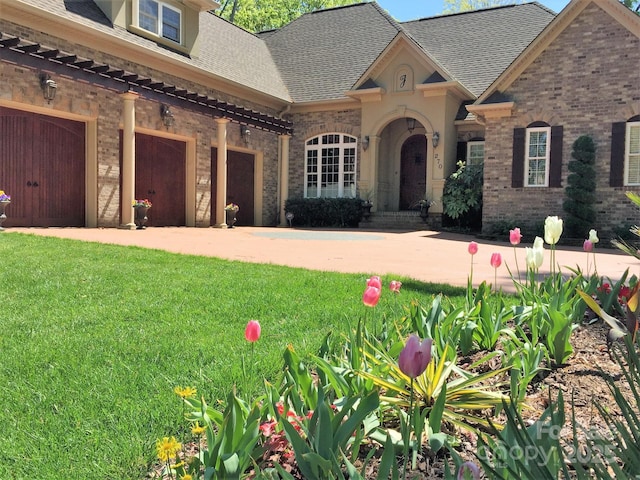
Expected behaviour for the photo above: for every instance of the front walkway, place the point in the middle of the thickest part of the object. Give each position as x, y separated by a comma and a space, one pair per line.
423, 255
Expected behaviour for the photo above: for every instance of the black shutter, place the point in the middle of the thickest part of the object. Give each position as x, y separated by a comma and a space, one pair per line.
555, 157
517, 166
616, 174
461, 152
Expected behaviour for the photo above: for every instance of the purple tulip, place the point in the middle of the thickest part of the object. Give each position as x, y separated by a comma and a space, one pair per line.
415, 356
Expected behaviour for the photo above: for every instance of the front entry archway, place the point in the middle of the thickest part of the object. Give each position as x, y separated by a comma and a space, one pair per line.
413, 171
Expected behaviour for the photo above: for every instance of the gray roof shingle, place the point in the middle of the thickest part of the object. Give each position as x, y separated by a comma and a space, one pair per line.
321, 55
476, 47
226, 50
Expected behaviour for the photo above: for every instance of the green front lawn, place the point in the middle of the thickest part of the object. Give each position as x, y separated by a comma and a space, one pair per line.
94, 339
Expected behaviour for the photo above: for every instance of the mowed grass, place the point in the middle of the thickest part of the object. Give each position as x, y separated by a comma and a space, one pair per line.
95, 337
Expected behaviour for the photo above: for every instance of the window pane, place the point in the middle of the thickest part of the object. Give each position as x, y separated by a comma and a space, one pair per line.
148, 18
331, 170
476, 153
171, 24
634, 140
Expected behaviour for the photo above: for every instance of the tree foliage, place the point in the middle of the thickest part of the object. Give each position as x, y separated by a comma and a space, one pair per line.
453, 6
260, 15
580, 193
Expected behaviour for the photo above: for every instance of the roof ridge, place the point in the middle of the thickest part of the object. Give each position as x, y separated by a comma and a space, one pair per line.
470, 12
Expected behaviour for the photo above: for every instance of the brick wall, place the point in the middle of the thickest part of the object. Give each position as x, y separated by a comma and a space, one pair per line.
19, 84
586, 79
309, 125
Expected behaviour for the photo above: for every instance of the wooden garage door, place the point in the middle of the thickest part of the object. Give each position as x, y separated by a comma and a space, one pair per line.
240, 190
161, 177
42, 167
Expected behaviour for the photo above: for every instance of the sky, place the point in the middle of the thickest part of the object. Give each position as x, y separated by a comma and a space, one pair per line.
403, 10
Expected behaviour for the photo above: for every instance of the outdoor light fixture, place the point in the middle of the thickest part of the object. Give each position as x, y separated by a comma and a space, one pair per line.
365, 142
411, 124
167, 116
245, 133
48, 87
435, 139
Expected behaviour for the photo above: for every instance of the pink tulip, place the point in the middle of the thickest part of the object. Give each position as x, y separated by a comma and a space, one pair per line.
394, 286
515, 236
415, 356
496, 260
470, 467
374, 282
588, 246
473, 248
252, 332
371, 296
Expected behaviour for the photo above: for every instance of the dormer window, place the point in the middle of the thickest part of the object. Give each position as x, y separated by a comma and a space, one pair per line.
161, 19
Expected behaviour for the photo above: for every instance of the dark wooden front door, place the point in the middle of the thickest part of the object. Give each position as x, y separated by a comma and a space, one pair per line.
42, 167
161, 177
413, 171
240, 190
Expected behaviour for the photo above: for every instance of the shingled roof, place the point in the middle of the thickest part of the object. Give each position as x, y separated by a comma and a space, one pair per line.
226, 50
322, 54
476, 47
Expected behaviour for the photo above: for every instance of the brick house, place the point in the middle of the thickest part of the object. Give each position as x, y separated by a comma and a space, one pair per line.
161, 99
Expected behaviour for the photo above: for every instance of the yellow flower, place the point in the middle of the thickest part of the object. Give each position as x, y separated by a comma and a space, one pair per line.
186, 392
197, 429
177, 465
186, 476
167, 448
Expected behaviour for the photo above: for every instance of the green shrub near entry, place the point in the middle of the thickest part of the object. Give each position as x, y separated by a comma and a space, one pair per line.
325, 212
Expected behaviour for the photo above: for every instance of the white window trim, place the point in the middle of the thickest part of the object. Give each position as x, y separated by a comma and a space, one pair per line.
159, 25
627, 151
527, 159
341, 145
469, 145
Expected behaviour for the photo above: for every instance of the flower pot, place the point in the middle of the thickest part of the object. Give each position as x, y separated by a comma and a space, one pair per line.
366, 210
3, 217
231, 218
424, 212
140, 217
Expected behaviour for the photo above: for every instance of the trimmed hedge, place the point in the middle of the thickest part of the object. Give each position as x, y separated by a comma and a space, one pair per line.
325, 212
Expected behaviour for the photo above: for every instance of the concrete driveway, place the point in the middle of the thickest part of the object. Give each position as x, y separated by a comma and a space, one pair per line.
423, 255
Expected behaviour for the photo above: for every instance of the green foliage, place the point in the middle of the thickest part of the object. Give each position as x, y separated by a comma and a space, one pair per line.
625, 245
453, 6
231, 438
325, 212
580, 193
462, 195
260, 15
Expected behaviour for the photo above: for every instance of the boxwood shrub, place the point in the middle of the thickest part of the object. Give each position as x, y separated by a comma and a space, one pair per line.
325, 212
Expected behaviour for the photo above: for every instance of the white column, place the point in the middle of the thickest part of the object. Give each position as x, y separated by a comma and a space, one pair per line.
221, 180
284, 176
128, 173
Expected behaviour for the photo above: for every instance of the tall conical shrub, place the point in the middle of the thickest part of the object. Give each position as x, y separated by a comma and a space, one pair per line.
580, 193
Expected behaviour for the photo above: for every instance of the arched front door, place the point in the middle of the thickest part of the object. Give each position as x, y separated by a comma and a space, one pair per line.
413, 171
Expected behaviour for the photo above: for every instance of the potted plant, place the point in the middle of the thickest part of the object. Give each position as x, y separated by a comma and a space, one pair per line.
4, 201
231, 210
140, 208
367, 203
425, 204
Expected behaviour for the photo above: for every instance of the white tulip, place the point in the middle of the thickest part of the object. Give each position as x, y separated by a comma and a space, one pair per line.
593, 236
552, 230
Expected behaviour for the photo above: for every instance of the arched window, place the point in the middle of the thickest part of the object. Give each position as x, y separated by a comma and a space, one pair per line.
330, 166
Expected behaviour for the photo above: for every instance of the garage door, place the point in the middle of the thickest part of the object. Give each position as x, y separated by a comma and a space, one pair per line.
161, 177
240, 190
42, 167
